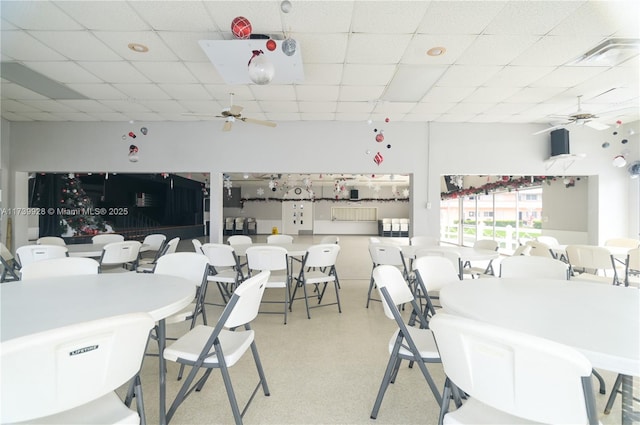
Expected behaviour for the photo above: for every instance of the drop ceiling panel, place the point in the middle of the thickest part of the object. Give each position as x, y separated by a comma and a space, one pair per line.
169, 106
185, 44
104, 15
85, 105
535, 17
322, 93
329, 74
15, 91
400, 17
77, 45
377, 48
185, 91
322, 48
356, 93
518, 76
263, 15
600, 19
64, 72
119, 42
174, 15
459, 17
125, 106
47, 105
555, 50
317, 107
24, 47
166, 72
367, 75
496, 49
448, 94
469, 76
567, 77
491, 94
142, 91
204, 72
273, 92
470, 108
319, 16
35, 15
115, 72
534, 95
456, 45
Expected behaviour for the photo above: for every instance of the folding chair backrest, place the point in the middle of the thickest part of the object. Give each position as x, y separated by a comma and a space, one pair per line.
436, 272
633, 259
452, 256
281, 239
489, 244
272, 258
51, 240
322, 255
5, 253
539, 249
548, 240
523, 375
522, 250
220, 255
120, 252
623, 242
239, 240
197, 245
589, 257
29, 253
191, 266
107, 238
248, 296
390, 277
424, 241
57, 267
384, 253
172, 246
530, 266
155, 241
60, 369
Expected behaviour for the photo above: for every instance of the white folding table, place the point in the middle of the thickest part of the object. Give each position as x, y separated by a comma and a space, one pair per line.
39, 305
601, 321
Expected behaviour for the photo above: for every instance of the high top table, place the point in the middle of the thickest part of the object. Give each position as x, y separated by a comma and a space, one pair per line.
601, 321
43, 304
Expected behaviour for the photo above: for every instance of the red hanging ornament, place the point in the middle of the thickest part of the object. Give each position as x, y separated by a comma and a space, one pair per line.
378, 158
271, 45
241, 27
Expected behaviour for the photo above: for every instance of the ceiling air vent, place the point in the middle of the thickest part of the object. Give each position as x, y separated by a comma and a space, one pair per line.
611, 52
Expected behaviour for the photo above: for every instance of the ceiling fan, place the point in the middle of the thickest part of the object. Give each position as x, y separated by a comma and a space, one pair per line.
233, 114
579, 117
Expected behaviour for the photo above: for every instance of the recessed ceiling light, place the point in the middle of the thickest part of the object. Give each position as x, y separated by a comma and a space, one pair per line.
436, 51
139, 48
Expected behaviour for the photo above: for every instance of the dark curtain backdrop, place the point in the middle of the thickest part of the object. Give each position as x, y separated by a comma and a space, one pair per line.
183, 206
46, 193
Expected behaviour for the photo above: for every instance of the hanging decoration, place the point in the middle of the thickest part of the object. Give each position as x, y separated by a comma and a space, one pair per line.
260, 191
144, 131
133, 153
378, 158
228, 184
271, 45
241, 27
512, 183
261, 70
289, 46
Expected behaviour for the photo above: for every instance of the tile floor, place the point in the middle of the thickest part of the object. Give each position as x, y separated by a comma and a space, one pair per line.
323, 370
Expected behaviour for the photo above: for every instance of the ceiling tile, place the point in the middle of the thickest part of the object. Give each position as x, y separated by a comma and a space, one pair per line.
142, 91
98, 91
601, 19
367, 75
77, 45
14, 106
398, 17
377, 48
205, 72
15, 91
317, 107
330, 74
274, 92
359, 93
170, 106
455, 45
48, 105
264, 15
469, 76
314, 116
174, 15
555, 50
35, 15
433, 108
517, 76
279, 106
470, 108
185, 91
119, 42
360, 107
319, 16
86, 105
104, 15
496, 49
322, 93
64, 72
534, 95
459, 17
214, 107
24, 47
109, 116
322, 48
123, 106
115, 72
567, 77
491, 94
534, 17
166, 72
448, 94
184, 45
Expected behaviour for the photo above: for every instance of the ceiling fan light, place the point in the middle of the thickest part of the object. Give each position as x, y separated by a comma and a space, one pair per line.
619, 161
261, 70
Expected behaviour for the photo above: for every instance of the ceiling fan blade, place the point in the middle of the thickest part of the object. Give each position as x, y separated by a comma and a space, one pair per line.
546, 130
235, 109
227, 126
261, 122
596, 125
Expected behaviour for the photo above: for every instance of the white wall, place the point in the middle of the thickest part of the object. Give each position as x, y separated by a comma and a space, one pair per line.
336, 147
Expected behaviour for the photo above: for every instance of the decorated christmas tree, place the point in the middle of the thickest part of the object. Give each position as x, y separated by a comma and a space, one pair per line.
76, 211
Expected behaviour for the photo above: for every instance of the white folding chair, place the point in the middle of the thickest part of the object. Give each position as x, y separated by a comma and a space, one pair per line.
224, 268
27, 254
540, 249
407, 342
9, 265
105, 238
147, 265
591, 263
623, 242
239, 240
197, 245
220, 347
632, 266
424, 241
384, 253
486, 268
238, 226
319, 267
69, 374
511, 377
330, 239
228, 225
530, 266
51, 240
119, 257
433, 272
280, 239
275, 260
57, 267
153, 244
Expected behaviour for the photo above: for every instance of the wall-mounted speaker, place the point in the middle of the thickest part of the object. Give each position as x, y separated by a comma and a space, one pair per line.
559, 142
354, 194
